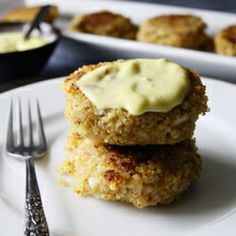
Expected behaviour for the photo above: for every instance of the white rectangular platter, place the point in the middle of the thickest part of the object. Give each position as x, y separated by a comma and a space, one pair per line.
209, 64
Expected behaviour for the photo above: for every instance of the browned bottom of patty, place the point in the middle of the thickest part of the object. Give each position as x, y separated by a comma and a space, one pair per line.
141, 175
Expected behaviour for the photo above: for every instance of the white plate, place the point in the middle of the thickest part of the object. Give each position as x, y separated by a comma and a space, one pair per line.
209, 208
209, 64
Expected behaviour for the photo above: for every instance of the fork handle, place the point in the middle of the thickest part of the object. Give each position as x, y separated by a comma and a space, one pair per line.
35, 220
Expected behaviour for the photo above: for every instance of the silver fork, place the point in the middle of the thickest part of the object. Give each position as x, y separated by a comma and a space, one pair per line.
35, 220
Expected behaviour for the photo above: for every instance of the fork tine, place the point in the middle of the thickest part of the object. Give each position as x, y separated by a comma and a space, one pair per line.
42, 138
21, 134
31, 141
10, 135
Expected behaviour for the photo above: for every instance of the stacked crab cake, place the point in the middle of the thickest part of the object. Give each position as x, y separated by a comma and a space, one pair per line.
132, 126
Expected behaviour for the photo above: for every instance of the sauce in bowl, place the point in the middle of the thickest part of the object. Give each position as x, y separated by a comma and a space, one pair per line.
15, 42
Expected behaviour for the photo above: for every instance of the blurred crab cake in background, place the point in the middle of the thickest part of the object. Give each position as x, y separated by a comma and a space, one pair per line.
225, 41
184, 31
104, 23
26, 14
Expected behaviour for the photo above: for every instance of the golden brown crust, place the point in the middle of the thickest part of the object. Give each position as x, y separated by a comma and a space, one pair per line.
117, 126
141, 175
104, 23
179, 23
225, 41
25, 14
186, 31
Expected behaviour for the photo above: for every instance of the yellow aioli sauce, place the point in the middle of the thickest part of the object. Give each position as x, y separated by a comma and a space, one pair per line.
14, 41
138, 85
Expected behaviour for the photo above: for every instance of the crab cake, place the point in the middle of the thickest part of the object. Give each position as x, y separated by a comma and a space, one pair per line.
184, 31
119, 127
23, 14
104, 23
225, 41
141, 175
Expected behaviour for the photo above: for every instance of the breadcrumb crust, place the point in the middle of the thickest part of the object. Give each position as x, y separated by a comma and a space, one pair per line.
117, 126
141, 175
